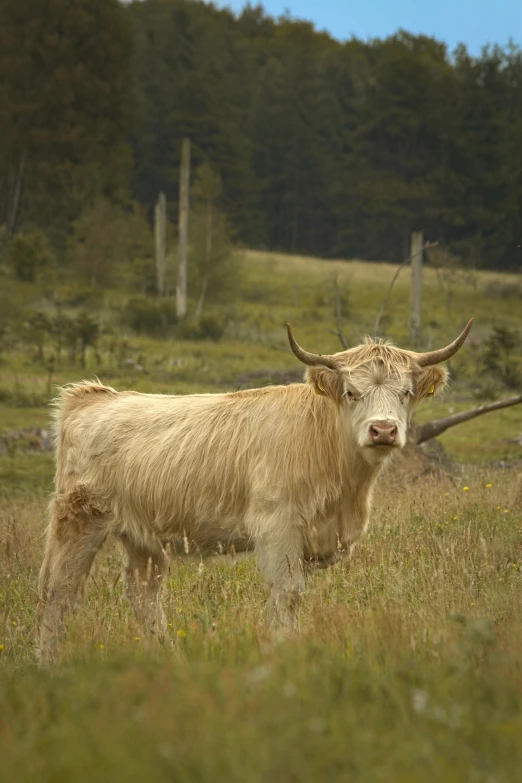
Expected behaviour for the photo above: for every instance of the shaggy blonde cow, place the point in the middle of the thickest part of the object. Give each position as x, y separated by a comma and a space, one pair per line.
289, 469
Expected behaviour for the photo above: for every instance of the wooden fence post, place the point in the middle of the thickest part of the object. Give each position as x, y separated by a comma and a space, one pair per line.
416, 257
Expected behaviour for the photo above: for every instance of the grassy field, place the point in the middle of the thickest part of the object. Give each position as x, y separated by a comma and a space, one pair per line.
407, 666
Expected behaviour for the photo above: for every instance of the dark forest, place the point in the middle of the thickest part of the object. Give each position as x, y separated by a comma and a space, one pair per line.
323, 148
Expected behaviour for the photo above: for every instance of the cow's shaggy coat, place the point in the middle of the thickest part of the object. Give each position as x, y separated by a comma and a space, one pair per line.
288, 470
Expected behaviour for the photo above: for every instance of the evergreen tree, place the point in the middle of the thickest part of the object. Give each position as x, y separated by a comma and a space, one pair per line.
213, 267
64, 70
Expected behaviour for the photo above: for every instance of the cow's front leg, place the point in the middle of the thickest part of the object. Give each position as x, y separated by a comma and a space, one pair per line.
279, 553
352, 521
336, 540
323, 548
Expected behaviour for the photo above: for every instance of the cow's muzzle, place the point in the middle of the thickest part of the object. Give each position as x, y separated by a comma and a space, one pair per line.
382, 433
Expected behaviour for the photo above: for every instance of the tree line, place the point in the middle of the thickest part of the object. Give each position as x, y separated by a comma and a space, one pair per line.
320, 147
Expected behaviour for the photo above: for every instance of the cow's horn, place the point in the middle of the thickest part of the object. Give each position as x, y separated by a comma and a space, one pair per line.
309, 358
435, 357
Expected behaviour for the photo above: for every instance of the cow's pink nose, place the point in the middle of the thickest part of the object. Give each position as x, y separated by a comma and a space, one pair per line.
382, 432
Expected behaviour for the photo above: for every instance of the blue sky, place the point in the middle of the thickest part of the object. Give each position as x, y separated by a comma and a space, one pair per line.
473, 22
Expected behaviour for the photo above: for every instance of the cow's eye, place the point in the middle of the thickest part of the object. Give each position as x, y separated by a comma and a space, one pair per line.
405, 394
350, 395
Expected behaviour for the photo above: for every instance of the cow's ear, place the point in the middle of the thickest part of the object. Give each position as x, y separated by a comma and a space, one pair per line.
325, 382
429, 382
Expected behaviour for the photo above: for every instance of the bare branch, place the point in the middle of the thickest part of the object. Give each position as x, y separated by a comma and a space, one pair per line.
339, 331
12, 215
431, 429
401, 266
341, 338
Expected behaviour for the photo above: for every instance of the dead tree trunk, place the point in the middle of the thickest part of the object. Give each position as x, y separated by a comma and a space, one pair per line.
432, 429
339, 317
11, 223
13, 208
160, 216
184, 181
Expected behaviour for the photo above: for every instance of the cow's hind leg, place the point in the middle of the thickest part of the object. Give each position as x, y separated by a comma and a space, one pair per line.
76, 532
145, 571
279, 553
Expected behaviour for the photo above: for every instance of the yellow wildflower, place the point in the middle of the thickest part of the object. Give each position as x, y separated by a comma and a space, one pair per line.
136, 638
465, 489
182, 633
488, 486
2, 647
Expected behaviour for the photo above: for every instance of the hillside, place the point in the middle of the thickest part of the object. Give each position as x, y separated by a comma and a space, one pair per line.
253, 350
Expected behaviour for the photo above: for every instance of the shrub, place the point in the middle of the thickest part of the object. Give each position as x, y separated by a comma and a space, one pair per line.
28, 254
81, 295
105, 240
143, 275
209, 327
215, 270
501, 357
35, 331
155, 317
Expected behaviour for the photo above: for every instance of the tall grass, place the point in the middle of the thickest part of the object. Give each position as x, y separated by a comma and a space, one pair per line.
407, 666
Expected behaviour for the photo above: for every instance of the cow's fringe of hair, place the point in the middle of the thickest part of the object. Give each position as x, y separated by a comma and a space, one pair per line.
382, 351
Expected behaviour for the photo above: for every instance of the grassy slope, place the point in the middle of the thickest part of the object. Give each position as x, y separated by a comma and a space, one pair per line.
408, 664
365, 286
277, 289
